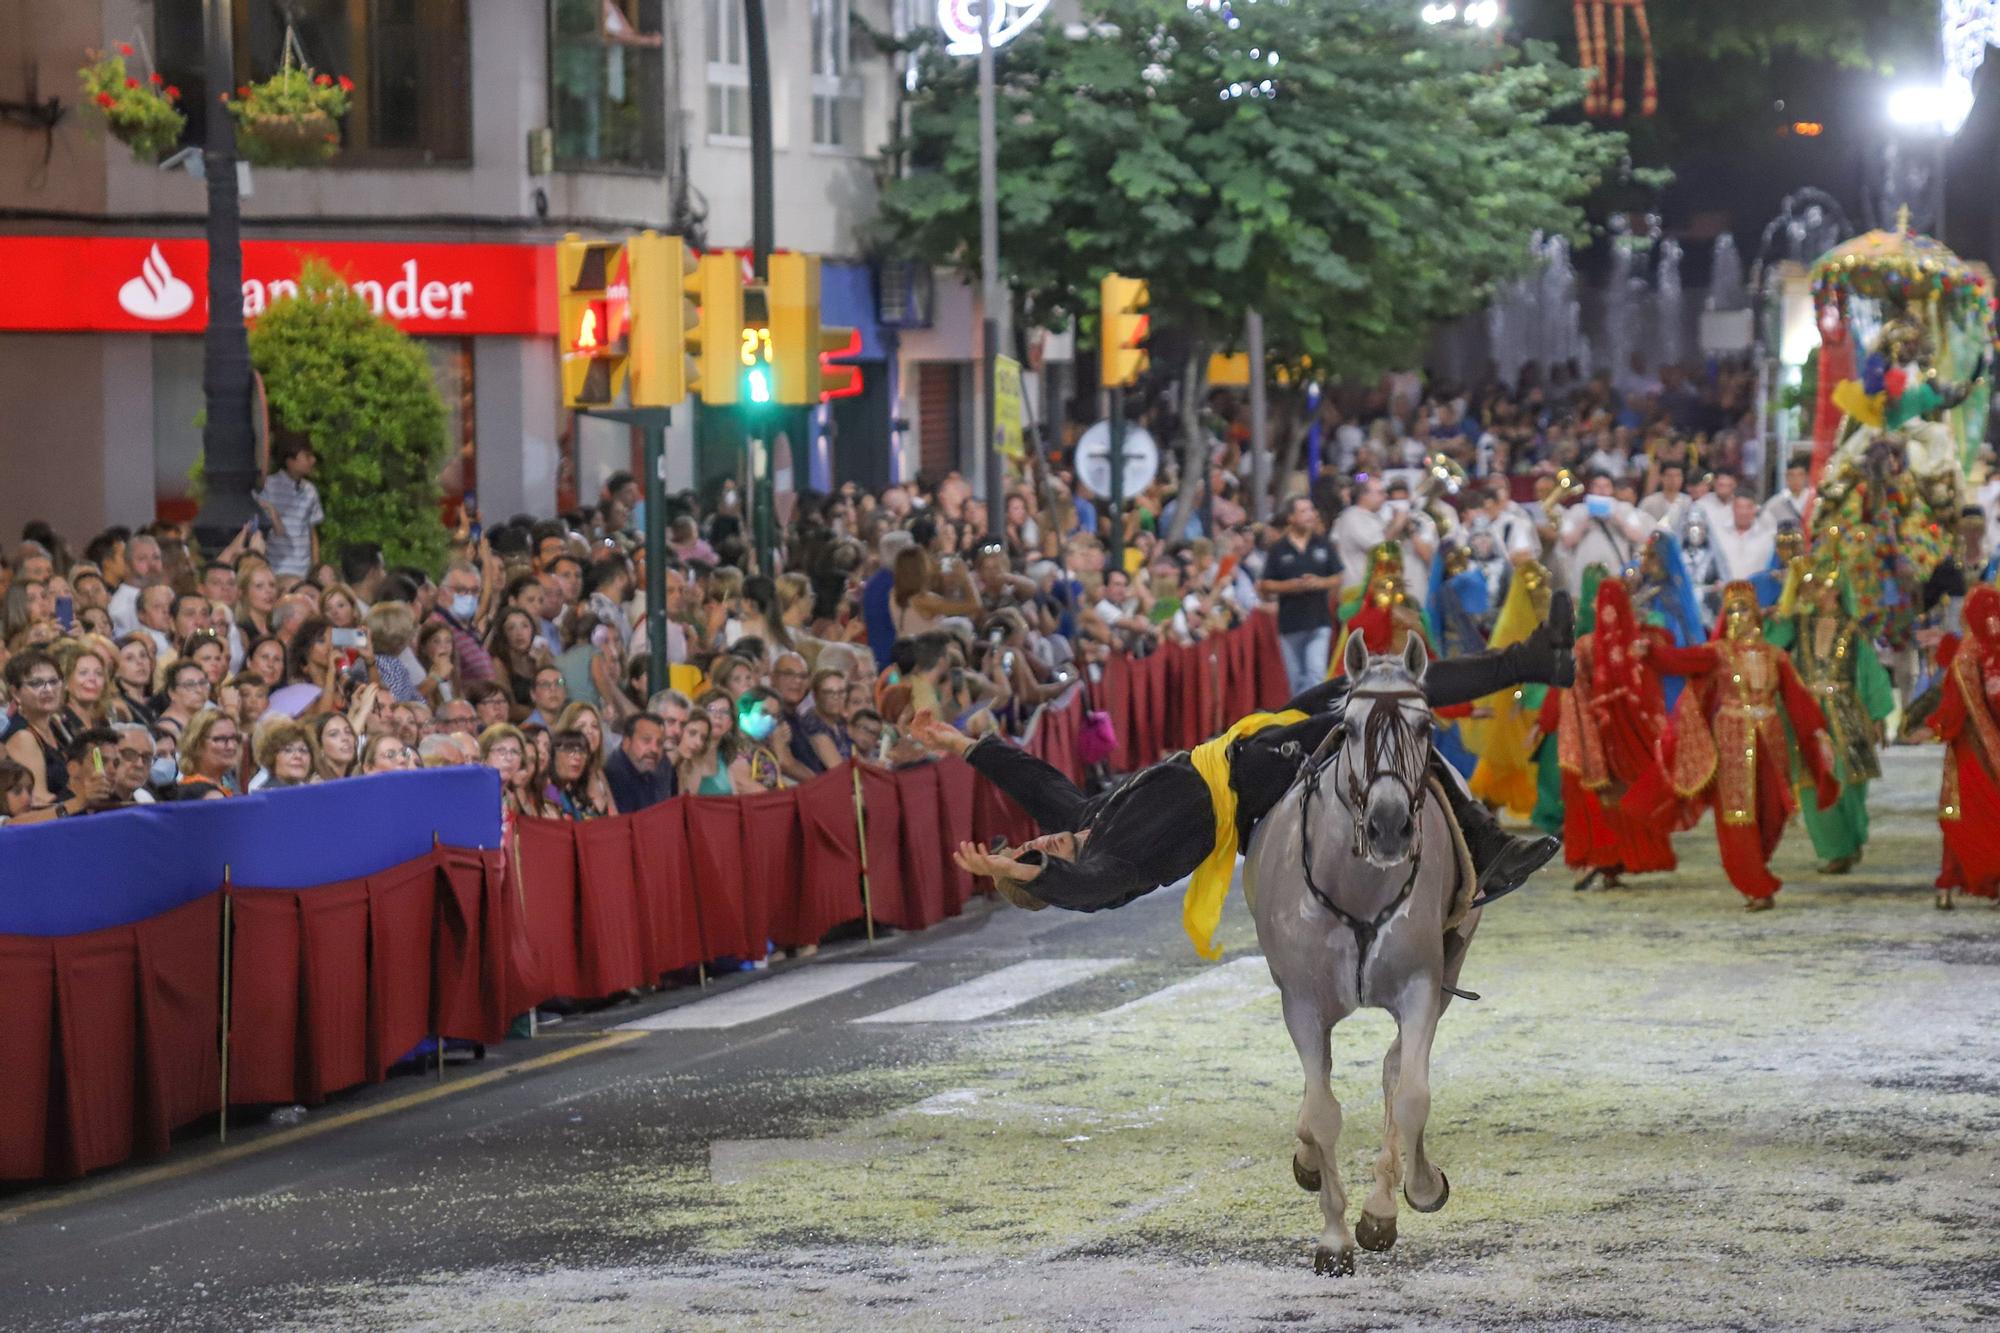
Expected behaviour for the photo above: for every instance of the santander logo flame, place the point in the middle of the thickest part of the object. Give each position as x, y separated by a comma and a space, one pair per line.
156, 293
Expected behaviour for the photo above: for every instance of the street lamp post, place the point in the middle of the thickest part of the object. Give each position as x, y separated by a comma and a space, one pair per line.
229, 463
992, 300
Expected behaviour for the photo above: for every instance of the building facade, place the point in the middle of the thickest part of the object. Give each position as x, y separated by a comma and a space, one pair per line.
479, 134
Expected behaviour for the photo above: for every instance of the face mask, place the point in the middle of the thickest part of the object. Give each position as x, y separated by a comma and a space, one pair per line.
1598, 506
163, 773
759, 725
464, 605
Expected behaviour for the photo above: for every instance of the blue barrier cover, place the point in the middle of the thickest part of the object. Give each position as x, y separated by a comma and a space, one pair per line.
68, 876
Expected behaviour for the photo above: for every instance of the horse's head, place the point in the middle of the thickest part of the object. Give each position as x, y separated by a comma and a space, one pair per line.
1384, 749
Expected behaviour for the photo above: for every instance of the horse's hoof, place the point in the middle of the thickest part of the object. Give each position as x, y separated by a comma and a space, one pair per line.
1333, 1263
1375, 1233
1444, 1194
1307, 1177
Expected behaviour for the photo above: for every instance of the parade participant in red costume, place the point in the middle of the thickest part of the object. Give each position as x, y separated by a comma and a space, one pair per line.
1611, 742
1730, 750
1968, 721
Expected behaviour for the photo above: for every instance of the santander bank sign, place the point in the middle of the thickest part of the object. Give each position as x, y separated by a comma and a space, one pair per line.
120, 284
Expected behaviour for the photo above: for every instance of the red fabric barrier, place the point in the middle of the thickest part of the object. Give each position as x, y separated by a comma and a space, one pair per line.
955, 782
611, 933
715, 841
32, 1124
110, 1041
672, 919
773, 858
923, 897
478, 927
829, 889
402, 923
1267, 662
546, 864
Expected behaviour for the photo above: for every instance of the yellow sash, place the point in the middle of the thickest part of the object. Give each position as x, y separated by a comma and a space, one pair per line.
1201, 911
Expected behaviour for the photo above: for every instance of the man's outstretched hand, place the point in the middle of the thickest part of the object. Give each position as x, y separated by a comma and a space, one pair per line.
940, 736
976, 860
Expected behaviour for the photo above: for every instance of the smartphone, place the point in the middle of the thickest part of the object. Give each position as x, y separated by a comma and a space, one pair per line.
349, 638
66, 611
471, 505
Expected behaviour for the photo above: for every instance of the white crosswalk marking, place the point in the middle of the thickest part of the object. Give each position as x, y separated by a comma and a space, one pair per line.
763, 998
1240, 981
996, 991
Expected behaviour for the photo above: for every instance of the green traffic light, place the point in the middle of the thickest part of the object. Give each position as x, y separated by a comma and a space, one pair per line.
757, 381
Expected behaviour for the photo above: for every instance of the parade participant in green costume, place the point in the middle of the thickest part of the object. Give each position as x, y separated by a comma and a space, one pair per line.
1837, 661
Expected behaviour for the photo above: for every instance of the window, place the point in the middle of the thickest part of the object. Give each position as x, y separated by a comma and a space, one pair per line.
607, 84
836, 92
728, 72
409, 60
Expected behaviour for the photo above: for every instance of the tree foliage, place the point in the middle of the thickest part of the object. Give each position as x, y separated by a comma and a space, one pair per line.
361, 390
1352, 171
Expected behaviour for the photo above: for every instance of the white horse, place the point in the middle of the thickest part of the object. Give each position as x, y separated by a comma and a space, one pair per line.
1354, 879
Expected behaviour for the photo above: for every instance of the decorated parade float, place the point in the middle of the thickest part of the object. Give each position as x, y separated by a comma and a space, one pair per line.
1906, 338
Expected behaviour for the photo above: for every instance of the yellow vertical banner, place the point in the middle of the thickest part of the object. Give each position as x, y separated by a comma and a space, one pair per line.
1009, 425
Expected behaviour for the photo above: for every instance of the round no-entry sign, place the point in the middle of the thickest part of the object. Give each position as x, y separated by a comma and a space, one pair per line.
1093, 460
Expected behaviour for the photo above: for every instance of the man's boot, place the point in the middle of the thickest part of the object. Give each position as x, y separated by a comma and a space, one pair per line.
1502, 860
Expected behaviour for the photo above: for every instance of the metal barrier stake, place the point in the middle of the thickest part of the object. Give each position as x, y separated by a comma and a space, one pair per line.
228, 941
438, 1037
861, 840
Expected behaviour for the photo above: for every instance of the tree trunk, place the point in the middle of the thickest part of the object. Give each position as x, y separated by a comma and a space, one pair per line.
1194, 440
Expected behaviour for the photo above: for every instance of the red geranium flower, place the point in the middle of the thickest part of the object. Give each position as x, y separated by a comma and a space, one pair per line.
243, 90
154, 78
106, 99
346, 84
124, 48
173, 93
131, 83
324, 80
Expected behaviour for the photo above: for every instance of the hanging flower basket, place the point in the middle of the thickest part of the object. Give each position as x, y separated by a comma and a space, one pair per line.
291, 119
140, 114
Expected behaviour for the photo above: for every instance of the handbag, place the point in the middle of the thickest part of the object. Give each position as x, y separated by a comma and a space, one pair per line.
1097, 738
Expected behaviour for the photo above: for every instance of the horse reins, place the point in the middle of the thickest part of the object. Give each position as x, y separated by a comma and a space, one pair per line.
1377, 733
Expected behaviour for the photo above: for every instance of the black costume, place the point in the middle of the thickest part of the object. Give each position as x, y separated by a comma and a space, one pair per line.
1159, 824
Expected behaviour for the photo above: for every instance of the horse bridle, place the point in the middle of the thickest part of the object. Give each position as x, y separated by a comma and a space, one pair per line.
1365, 930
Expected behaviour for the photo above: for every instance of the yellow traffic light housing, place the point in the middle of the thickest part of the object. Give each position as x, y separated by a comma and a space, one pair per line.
1122, 329
713, 335
657, 273
591, 324
799, 343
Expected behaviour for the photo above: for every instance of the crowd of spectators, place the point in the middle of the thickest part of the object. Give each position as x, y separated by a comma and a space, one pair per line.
139, 668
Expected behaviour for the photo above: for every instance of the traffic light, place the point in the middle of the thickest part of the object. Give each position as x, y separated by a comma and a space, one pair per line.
712, 336
1122, 328
798, 342
755, 354
592, 297
657, 268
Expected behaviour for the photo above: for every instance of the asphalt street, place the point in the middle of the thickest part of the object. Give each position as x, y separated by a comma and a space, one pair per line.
1664, 1113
